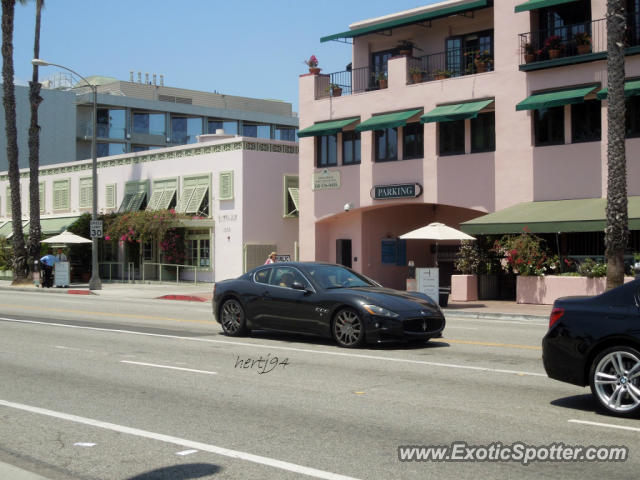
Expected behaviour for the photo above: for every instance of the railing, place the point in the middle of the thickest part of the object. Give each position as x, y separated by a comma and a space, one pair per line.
452, 63
567, 41
356, 80
126, 272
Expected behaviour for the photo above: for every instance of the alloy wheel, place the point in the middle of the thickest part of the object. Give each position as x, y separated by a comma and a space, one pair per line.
348, 329
615, 380
232, 318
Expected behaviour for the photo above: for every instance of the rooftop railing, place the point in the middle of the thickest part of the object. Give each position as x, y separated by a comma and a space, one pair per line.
348, 82
452, 63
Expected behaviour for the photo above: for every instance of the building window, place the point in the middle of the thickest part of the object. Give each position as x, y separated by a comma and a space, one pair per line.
86, 192
632, 118
149, 123
229, 127
147, 251
184, 130
144, 148
135, 197
195, 196
286, 133
290, 196
350, 147
225, 185
394, 251
378, 67
256, 131
110, 123
413, 141
61, 195
451, 137
163, 195
462, 50
585, 121
386, 144
42, 197
549, 126
110, 196
198, 248
483, 133
108, 149
326, 150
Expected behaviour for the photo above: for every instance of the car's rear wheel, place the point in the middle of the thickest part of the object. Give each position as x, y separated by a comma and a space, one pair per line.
615, 380
348, 328
232, 318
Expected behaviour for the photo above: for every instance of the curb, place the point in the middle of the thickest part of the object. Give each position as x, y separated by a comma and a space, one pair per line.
186, 298
495, 315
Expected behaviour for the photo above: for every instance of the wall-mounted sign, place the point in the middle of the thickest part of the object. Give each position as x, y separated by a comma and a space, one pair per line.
326, 180
403, 190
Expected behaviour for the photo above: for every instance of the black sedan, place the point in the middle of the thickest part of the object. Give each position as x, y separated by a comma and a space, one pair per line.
323, 299
596, 341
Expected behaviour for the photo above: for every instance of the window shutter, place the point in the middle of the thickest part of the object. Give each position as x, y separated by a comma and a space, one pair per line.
41, 196
155, 198
110, 196
61, 195
126, 201
185, 198
196, 199
389, 250
165, 200
290, 196
86, 192
226, 185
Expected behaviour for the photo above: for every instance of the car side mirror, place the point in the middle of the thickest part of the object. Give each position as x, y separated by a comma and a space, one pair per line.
298, 286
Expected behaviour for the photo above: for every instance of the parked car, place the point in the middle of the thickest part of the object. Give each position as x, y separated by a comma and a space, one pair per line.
323, 299
596, 341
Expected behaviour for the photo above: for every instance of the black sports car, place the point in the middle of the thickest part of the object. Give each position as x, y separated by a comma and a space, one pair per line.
323, 299
596, 341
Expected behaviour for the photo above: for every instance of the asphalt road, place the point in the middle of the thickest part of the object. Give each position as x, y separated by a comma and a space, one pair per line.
96, 389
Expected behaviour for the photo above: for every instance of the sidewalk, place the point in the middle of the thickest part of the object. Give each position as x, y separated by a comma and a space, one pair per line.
203, 292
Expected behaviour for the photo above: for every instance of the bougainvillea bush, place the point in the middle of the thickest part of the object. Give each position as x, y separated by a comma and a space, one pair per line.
526, 254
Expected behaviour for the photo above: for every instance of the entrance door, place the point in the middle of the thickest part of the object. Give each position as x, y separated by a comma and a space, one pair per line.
343, 252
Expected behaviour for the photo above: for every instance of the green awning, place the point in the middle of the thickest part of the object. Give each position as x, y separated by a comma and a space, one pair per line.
388, 120
536, 4
53, 226
6, 229
631, 89
458, 111
432, 14
582, 215
555, 98
326, 128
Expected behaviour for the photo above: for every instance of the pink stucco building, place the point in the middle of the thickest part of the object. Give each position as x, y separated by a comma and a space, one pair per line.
461, 124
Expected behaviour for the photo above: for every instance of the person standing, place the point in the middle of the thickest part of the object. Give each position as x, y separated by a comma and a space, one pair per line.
47, 262
61, 257
271, 258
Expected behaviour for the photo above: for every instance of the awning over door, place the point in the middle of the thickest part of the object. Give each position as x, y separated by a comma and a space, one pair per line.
326, 128
581, 215
52, 226
536, 4
556, 98
458, 111
387, 120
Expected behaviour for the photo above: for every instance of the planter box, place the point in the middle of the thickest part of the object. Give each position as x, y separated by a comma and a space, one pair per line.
464, 288
545, 290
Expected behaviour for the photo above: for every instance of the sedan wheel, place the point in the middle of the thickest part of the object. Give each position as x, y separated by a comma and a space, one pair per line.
232, 318
615, 380
348, 329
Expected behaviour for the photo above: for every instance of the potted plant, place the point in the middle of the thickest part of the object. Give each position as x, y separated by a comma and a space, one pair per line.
553, 46
583, 42
464, 287
312, 63
529, 53
336, 90
382, 79
405, 47
441, 74
481, 59
416, 74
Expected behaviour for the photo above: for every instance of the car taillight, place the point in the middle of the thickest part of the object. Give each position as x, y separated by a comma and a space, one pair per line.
556, 313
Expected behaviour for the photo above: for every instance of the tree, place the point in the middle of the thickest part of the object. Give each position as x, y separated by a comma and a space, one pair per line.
9, 103
35, 233
616, 233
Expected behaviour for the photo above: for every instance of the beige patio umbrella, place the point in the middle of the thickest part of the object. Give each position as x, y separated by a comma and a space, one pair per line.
66, 238
438, 232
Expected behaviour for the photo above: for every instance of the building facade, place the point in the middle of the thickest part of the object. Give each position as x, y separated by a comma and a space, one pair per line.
137, 116
452, 111
237, 197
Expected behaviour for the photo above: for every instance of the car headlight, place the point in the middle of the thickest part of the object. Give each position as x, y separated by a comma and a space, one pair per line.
381, 312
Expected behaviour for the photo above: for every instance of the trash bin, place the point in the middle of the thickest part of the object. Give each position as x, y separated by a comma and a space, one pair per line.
444, 296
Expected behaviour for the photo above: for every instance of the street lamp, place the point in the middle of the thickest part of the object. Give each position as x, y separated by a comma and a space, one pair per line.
94, 282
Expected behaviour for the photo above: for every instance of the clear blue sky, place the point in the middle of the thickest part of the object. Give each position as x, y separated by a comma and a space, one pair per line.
252, 48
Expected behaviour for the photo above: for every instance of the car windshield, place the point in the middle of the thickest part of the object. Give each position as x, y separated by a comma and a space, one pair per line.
335, 276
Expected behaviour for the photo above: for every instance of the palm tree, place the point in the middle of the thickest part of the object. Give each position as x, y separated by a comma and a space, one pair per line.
9, 103
616, 232
35, 233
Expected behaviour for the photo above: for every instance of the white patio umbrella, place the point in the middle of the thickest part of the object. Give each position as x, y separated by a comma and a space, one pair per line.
66, 238
437, 232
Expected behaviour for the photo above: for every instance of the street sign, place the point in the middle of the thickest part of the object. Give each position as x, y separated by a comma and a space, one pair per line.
96, 228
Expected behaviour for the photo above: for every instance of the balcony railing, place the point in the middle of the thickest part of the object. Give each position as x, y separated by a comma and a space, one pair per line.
452, 63
567, 41
356, 80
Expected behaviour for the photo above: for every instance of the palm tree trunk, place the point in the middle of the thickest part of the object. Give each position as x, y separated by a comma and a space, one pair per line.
35, 233
616, 233
9, 102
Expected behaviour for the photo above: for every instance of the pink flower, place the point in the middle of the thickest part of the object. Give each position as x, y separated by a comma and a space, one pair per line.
107, 237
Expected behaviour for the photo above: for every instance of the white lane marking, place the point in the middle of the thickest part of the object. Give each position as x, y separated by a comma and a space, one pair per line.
84, 444
289, 349
606, 425
249, 457
186, 452
62, 347
169, 367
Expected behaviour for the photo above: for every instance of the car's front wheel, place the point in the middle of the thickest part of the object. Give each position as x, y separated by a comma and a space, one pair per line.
232, 318
348, 328
615, 380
